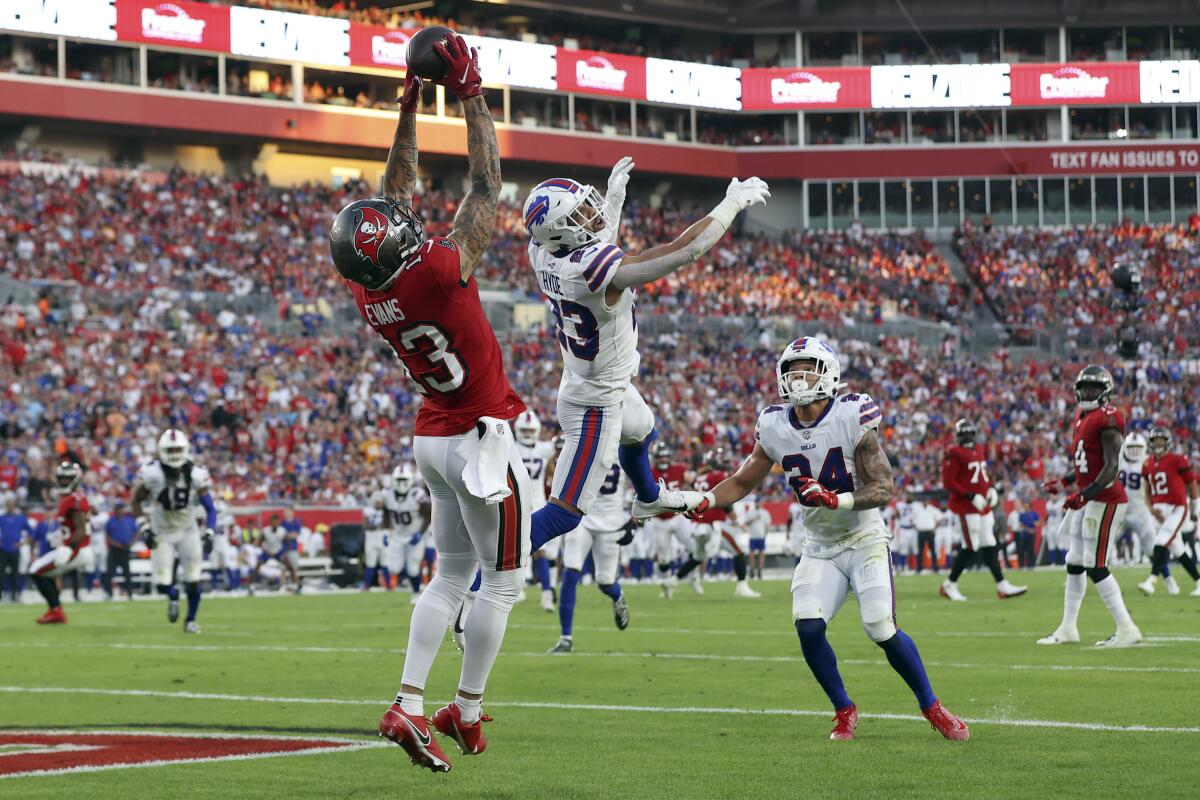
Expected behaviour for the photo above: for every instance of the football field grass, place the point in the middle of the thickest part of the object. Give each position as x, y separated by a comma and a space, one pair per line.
702, 697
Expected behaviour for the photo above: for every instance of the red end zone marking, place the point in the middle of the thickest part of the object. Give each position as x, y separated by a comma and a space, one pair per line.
39, 752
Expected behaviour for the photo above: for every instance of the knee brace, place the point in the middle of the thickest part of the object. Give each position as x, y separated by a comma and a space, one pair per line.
500, 589
877, 620
1075, 569
1098, 575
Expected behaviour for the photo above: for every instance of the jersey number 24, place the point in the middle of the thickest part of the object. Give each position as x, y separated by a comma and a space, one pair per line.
834, 475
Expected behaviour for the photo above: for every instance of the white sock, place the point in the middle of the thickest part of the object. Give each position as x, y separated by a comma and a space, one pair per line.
468, 710
411, 703
1073, 600
1110, 593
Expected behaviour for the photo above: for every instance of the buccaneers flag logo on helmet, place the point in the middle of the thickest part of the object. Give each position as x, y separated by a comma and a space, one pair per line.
369, 233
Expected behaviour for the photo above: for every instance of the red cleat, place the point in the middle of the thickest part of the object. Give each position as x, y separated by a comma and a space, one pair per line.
55, 616
412, 733
946, 723
845, 721
470, 738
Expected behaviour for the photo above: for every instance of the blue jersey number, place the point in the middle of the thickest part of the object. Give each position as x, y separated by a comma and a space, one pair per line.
583, 340
1131, 480
834, 475
612, 481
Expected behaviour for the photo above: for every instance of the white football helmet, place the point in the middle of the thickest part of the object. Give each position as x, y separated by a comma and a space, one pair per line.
560, 213
806, 387
174, 450
402, 478
1134, 448
528, 428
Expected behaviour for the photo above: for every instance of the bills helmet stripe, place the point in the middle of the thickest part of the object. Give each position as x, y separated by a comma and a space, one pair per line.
560, 183
596, 282
541, 206
591, 270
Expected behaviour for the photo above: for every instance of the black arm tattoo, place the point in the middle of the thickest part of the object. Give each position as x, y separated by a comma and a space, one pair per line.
400, 174
874, 471
476, 215
1111, 440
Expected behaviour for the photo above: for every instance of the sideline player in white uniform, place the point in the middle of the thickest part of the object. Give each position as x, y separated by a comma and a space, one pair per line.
946, 533
175, 488
538, 456
225, 561
407, 507
589, 282
600, 533
828, 448
904, 532
757, 520
375, 541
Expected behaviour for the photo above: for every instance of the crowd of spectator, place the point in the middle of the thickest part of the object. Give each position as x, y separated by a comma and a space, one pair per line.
1052, 278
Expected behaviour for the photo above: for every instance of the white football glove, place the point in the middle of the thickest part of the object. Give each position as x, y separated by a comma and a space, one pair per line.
618, 179
748, 192
980, 502
993, 497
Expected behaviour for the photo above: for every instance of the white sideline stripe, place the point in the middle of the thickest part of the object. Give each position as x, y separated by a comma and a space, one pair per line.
775, 712
618, 654
348, 746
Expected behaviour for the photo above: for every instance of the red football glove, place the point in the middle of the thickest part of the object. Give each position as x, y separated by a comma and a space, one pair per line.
462, 73
1075, 501
411, 97
704, 505
815, 495
1053, 486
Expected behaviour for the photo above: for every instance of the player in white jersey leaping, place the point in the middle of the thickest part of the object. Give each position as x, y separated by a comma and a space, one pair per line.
174, 487
589, 282
537, 455
828, 447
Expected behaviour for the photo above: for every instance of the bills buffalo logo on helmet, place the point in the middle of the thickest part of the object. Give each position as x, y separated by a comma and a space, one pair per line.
537, 211
369, 233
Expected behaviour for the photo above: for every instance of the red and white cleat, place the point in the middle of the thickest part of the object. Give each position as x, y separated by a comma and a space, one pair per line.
1006, 590
470, 738
845, 721
55, 616
412, 733
946, 723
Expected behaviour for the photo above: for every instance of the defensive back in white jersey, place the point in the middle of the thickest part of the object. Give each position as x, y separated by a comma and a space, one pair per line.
1129, 473
610, 511
174, 500
405, 510
598, 341
536, 457
824, 450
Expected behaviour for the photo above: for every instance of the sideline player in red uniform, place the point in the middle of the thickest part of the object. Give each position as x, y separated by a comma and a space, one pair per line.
419, 294
712, 531
72, 552
1168, 486
972, 498
1095, 511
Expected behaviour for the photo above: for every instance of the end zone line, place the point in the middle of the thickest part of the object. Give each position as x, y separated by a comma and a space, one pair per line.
779, 712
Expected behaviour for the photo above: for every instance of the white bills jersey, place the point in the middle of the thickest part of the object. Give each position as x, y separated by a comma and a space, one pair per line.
405, 510
904, 515
536, 457
174, 500
824, 450
1129, 473
610, 512
272, 539
756, 519
598, 341
373, 512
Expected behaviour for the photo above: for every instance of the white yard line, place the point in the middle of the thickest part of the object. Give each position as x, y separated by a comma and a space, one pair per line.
779, 712
176, 648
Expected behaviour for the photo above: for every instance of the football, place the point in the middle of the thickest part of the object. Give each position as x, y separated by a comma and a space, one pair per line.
422, 58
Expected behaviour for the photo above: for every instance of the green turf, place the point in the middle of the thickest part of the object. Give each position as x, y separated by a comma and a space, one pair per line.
982, 660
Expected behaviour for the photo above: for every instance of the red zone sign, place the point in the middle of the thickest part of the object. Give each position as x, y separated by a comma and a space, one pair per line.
53, 753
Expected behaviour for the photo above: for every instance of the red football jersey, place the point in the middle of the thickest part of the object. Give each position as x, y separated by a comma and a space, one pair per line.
75, 501
1087, 451
1167, 478
437, 327
674, 476
964, 473
705, 482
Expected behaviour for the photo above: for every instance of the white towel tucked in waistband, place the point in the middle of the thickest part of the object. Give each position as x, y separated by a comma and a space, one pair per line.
486, 472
